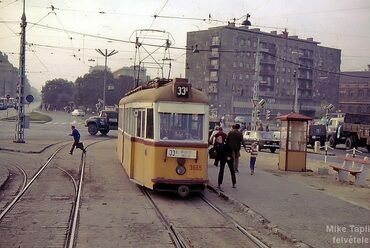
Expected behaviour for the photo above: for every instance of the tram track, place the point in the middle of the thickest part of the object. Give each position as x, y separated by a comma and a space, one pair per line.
71, 226
179, 231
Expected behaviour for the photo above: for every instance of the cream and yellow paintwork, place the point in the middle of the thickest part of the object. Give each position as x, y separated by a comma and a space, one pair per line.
145, 162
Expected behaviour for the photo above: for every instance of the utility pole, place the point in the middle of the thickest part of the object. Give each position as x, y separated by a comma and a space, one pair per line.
19, 133
106, 55
295, 105
256, 88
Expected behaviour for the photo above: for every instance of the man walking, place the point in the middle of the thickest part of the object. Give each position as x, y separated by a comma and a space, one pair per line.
76, 143
234, 141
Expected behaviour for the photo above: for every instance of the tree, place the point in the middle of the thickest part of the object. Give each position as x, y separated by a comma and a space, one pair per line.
57, 92
89, 88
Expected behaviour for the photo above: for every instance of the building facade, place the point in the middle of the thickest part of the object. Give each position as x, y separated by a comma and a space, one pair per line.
223, 63
354, 92
130, 71
8, 77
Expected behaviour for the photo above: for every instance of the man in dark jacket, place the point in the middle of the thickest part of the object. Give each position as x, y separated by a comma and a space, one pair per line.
223, 154
234, 141
76, 143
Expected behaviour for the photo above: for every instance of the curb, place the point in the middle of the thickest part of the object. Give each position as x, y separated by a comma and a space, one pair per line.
29, 152
273, 229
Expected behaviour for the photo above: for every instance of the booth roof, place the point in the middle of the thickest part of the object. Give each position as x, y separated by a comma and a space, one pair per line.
294, 117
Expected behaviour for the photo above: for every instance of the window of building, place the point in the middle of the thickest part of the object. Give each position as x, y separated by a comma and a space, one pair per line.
214, 61
241, 77
234, 64
241, 65
213, 74
248, 42
234, 76
246, 76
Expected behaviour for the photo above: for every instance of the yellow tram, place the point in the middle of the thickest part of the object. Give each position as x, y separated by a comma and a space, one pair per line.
162, 136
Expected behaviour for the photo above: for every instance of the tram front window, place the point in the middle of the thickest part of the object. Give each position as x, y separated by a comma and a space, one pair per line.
175, 126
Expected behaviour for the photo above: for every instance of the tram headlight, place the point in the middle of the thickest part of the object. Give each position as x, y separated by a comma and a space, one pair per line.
180, 169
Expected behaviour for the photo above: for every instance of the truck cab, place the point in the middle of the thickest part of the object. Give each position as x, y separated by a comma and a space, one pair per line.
106, 121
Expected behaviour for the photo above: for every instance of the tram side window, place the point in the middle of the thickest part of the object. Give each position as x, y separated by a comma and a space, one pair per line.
149, 124
176, 126
140, 122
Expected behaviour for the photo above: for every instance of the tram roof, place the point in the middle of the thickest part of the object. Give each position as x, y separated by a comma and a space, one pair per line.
164, 93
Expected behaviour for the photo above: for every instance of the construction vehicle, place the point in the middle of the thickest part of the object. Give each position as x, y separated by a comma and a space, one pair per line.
353, 130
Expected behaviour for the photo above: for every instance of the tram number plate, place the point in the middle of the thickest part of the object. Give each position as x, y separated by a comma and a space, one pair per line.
177, 153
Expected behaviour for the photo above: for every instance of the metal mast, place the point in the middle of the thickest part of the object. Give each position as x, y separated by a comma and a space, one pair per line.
19, 133
106, 55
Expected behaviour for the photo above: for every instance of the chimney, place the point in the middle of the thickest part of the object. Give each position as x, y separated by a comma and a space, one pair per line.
285, 33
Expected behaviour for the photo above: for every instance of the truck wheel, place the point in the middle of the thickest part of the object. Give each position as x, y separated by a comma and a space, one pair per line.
92, 129
349, 143
105, 131
272, 150
332, 142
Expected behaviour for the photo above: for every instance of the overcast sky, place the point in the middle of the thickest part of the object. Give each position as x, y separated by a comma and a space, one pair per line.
63, 43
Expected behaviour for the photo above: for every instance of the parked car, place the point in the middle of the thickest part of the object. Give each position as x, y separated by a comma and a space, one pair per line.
316, 132
265, 140
240, 119
78, 112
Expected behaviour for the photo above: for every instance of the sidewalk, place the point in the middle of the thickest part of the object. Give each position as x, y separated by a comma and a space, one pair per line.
303, 205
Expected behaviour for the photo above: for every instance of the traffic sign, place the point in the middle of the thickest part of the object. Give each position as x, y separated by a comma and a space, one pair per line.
254, 102
29, 98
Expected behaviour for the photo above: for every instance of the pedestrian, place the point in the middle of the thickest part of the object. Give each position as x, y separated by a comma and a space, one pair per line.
260, 128
234, 141
223, 154
254, 152
249, 126
76, 143
267, 128
223, 135
211, 140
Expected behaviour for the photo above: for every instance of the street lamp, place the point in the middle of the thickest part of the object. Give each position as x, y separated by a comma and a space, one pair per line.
106, 55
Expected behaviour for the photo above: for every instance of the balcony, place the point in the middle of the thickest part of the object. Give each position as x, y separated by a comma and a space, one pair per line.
214, 55
215, 43
212, 67
267, 72
212, 79
268, 61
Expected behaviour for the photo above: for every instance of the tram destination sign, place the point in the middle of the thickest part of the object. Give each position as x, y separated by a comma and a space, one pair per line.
180, 153
182, 89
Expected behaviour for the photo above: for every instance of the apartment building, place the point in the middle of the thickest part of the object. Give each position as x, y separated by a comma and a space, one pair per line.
223, 63
354, 92
8, 77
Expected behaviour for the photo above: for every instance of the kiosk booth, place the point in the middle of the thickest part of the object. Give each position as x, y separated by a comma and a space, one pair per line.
293, 142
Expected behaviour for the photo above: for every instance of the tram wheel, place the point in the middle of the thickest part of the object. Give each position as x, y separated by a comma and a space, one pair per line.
183, 191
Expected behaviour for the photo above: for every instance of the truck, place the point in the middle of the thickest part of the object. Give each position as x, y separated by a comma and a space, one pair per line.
353, 131
106, 121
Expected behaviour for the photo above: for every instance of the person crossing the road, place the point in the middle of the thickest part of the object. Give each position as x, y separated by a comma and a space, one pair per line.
76, 136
